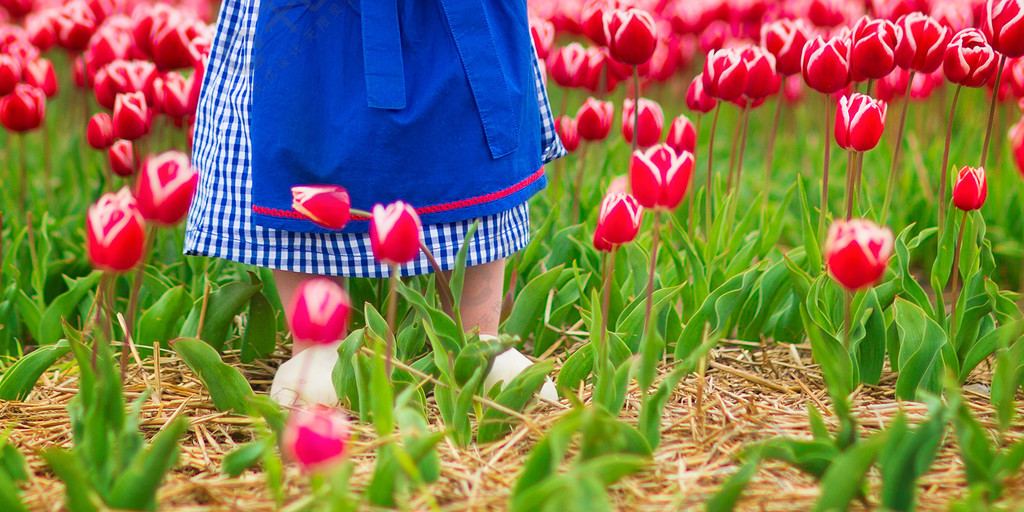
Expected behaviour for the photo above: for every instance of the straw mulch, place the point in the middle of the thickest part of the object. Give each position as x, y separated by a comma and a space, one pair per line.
750, 395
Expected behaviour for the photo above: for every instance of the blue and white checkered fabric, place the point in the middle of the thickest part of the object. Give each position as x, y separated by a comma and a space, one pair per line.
219, 222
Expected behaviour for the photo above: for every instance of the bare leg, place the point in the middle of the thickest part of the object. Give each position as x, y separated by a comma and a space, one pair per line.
287, 283
482, 296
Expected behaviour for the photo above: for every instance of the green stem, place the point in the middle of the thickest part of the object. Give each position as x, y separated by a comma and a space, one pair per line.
850, 176
944, 170
602, 347
133, 300
743, 147
992, 111
447, 298
709, 186
771, 148
896, 152
636, 109
828, 155
577, 190
847, 317
23, 170
956, 275
392, 314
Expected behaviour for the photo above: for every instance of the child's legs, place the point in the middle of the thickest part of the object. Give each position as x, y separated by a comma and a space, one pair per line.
287, 283
482, 296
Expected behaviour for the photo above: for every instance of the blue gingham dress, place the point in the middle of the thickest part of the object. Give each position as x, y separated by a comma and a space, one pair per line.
220, 223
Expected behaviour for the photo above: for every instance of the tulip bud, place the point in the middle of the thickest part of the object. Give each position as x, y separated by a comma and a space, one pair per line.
23, 109
165, 187
652, 122
969, 60
970, 189
857, 252
660, 177
568, 132
594, 119
1017, 144
115, 232
319, 311
100, 132
131, 116
123, 160
1003, 24
618, 221
316, 438
696, 99
173, 93
543, 33
598, 69
824, 64
725, 74
75, 26
860, 120
171, 43
395, 233
681, 135
826, 13
326, 205
10, 74
41, 29
785, 39
39, 73
567, 65
873, 48
762, 80
630, 34
592, 20
924, 43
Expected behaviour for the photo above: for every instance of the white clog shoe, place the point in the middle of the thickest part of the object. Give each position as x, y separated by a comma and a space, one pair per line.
508, 365
305, 379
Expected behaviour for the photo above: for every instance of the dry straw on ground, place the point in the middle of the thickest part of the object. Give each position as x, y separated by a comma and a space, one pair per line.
750, 395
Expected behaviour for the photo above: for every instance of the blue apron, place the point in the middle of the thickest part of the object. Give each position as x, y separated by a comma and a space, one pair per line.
430, 101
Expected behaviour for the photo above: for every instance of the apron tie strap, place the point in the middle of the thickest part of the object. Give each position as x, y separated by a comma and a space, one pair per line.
382, 55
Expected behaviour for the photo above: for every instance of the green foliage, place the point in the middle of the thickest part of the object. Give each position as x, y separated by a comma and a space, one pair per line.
228, 388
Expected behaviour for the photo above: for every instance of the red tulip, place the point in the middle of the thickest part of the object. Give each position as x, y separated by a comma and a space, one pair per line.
598, 68
131, 116
969, 60
109, 44
17, 8
319, 311
115, 232
652, 122
543, 33
971, 188
316, 438
41, 29
39, 73
592, 19
824, 64
725, 74
681, 135
955, 15
568, 132
785, 39
100, 132
10, 74
857, 252
567, 65
1003, 24
326, 205
123, 160
1017, 144
123, 76
696, 99
395, 233
165, 187
660, 177
873, 48
631, 35
594, 119
826, 13
75, 26
618, 221
171, 43
762, 80
860, 120
924, 43
173, 94
23, 109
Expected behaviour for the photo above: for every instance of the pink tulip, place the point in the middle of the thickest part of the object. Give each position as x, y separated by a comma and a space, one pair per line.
873, 48
860, 121
681, 135
785, 39
969, 60
660, 177
970, 189
319, 311
594, 119
395, 233
567, 65
326, 205
115, 232
165, 187
725, 74
100, 132
10, 74
543, 33
631, 35
131, 116
39, 73
24, 109
316, 438
651, 119
857, 252
924, 43
1003, 24
75, 25
696, 99
568, 132
618, 220
762, 80
123, 160
824, 64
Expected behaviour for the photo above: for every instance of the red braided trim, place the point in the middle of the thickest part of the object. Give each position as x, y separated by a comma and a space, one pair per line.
437, 208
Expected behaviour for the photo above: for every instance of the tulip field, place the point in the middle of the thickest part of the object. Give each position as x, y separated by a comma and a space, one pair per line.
780, 268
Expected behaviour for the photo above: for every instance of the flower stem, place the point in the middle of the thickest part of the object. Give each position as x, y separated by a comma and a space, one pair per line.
992, 111
133, 300
445, 287
956, 275
392, 314
896, 152
578, 188
636, 109
771, 148
828, 156
709, 187
944, 170
602, 347
693, 197
847, 317
655, 238
851, 173
739, 153
23, 157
